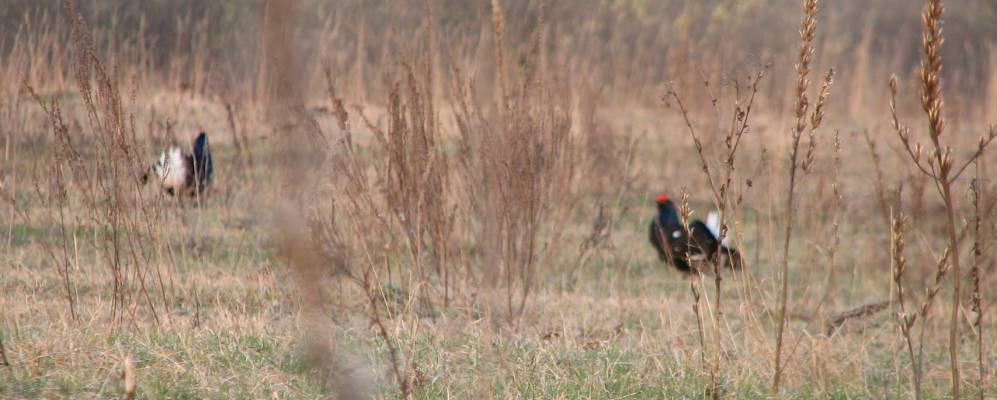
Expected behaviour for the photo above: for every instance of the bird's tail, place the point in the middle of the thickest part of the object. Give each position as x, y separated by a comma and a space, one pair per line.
202, 159
713, 224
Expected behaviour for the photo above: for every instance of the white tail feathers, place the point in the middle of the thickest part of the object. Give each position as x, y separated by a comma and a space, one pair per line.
171, 169
713, 224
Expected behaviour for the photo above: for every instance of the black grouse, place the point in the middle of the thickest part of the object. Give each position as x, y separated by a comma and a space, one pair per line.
681, 247
180, 173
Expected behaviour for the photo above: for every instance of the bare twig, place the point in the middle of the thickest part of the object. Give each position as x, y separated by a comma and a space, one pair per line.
865, 310
984, 142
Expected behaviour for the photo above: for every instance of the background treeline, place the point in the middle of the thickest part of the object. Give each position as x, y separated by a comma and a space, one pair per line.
626, 47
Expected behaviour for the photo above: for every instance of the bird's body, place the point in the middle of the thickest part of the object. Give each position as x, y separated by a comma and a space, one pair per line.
681, 247
179, 173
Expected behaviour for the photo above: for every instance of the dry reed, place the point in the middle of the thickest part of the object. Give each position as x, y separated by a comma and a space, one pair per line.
739, 126
940, 162
399, 227
808, 32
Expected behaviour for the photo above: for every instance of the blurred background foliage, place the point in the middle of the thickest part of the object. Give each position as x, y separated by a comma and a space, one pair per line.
629, 46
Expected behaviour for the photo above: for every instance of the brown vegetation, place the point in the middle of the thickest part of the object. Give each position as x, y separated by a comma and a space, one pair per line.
448, 199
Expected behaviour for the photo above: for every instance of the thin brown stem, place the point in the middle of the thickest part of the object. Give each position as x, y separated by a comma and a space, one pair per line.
975, 274
808, 31
904, 319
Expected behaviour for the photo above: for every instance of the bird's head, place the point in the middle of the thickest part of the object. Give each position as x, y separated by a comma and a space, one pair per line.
663, 201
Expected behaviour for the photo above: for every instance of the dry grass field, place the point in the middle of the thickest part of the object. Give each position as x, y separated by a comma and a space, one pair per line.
451, 199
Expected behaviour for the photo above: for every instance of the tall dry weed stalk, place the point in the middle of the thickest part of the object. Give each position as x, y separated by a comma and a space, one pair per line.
65, 154
418, 176
355, 237
721, 189
103, 183
808, 33
835, 208
391, 219
685, 213
400, 226
516, 165
939, 164
314, 248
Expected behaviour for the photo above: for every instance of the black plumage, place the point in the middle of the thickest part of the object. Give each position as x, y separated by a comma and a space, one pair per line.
681, 247
201, 161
